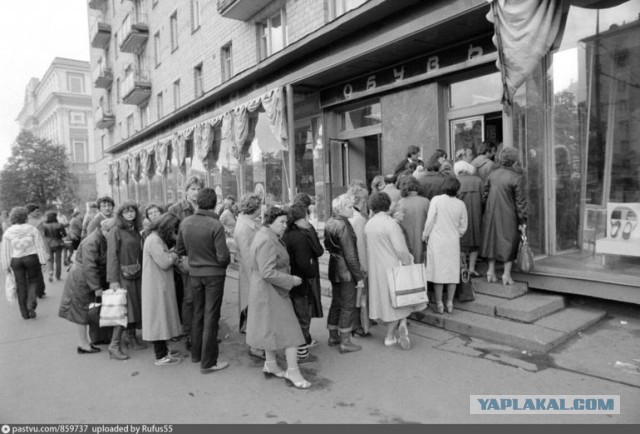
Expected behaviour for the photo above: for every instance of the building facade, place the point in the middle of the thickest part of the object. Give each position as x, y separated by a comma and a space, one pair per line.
289, 96
58, 107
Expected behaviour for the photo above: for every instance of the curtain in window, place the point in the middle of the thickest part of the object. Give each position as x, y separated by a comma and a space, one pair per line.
124, 170
273, 104
228, 151
134, 167
162, 150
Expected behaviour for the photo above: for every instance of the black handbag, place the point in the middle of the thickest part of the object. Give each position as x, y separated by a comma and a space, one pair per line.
464, 289
131, 272
525, 255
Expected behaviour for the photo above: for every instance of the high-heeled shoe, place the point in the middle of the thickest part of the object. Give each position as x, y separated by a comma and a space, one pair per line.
297, 383
449, 306
491, 278
440, 307
89, 351
271, 369
507, 280
474, 273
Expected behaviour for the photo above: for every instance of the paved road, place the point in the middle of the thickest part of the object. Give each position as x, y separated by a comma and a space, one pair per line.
43, 380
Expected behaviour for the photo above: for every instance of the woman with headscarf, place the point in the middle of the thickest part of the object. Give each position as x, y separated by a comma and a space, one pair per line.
85, 282
505, 214
470, 193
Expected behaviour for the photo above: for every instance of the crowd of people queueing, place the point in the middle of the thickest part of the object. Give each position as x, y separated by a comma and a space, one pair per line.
172, 263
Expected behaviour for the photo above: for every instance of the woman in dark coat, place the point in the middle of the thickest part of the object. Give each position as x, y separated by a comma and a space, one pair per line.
54, 234
87, 279
470, 193
271, 321
505, 214
124, 250
304, 249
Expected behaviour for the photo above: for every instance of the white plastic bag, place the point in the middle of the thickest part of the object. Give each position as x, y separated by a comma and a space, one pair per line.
113, 311
10, 287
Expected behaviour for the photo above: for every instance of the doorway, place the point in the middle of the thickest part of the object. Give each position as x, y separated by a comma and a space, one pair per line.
356, 158
470, 132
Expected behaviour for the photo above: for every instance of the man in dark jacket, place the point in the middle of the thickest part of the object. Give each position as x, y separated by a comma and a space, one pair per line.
344, 273
182, 210
201, 237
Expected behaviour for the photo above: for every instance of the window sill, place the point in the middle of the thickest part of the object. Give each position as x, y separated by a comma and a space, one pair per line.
173, 50
195, 30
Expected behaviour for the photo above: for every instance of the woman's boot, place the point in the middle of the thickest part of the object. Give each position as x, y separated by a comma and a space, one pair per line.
136, 344
115, 352
346, 346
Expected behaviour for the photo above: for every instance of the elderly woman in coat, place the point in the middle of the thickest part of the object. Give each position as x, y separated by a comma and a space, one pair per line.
87, 279
344, 272
446, 223
470, 193
247, 226
271, 322
160, 319
124, 257
386, 248
505, 213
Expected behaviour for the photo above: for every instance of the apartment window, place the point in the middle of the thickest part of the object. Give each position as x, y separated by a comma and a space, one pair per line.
198, 89
156, 48
226, 61
75, 82
272, 34
77, 118
173, 21
160, 107
144, 116
130, 125
195, 15
176, 94
79, 151
340, 7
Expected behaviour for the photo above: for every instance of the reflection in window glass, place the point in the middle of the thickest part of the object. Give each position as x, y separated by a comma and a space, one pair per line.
479, 90
361, 117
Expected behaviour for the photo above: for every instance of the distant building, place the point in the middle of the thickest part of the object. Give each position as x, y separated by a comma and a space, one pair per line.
58, 108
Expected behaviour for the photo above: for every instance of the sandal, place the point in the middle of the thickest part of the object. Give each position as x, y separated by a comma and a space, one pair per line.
507, 280
491, 278
440, 307
298, 384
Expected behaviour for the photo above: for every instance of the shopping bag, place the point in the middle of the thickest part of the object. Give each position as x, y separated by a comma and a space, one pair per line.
113, 311
407, 285
10, 287
525, 255
464, 289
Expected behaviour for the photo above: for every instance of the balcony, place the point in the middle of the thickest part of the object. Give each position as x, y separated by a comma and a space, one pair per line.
100, 33
241, 9
136, 87
102, 75
98, 4
104, 118
134, 33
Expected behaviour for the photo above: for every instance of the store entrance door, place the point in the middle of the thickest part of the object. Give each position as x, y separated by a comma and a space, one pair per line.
356, 158
470, 132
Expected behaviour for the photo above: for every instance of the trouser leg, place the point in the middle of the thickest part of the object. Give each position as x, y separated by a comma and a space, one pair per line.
347, 302
213, 302
302, 310
160, 349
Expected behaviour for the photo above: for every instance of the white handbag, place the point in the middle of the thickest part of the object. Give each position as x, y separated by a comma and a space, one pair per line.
113, 311
407, 285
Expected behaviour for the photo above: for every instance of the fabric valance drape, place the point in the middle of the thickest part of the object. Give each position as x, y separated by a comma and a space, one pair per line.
124, 169
145, 163
162, 151
273, 104
134, 168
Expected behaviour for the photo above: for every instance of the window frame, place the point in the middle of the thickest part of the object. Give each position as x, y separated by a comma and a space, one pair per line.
198, 81
160, 105
75, 76
83, 145
173, 29
176, 95
226, 61
157, 49
264, 30
196, 15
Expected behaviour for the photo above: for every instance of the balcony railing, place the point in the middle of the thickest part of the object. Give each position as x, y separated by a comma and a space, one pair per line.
102, 75
240, 9
136, 87
135, 32
104, 118
100, 33
98, 4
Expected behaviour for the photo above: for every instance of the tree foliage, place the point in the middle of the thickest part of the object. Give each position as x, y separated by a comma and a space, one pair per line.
37, 172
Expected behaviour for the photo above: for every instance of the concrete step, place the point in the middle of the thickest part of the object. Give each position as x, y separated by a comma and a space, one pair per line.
530, 307
539, 337
481, 286
483, 304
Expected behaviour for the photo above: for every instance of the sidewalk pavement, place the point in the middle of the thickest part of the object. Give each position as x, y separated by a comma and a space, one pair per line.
43, 380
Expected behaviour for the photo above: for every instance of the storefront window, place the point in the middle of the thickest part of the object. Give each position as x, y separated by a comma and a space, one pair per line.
143, 191
360, 117
595, 84
264, 164
479, 90
157, 195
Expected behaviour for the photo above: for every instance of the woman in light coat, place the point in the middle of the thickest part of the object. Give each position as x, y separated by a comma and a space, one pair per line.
386, 248
271, 321
446, 223
160, 319
247, 226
